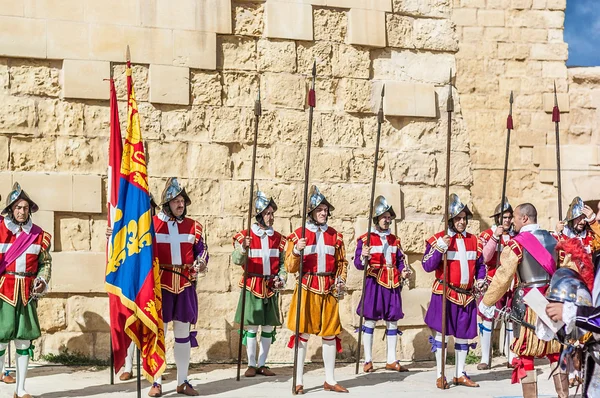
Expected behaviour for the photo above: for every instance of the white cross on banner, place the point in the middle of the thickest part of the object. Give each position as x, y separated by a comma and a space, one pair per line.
265, 254
175, 239
322, 251
463, 256
385, 248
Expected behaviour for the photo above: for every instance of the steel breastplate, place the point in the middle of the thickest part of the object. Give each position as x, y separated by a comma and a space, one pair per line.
530, 271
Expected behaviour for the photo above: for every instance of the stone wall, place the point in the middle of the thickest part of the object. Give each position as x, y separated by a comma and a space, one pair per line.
196, 76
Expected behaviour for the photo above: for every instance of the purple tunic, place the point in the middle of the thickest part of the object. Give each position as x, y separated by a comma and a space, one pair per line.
183, 307
380, 302
461, 321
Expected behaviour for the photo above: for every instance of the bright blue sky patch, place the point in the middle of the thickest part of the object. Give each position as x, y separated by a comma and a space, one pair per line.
582, 32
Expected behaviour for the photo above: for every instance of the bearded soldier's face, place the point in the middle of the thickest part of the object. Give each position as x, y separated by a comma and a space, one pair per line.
20, 211
177, 206
268, 216
384, 221
579, 223
460, 222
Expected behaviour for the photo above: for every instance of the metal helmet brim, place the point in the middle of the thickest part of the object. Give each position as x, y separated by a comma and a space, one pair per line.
15, 194
172, 190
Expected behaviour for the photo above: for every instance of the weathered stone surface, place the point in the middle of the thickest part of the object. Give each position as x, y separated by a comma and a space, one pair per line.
248, 19
400, 31
353, 94
140, 79
435, 34
60, 117
160, 164
350, 61
73, 234
413, 167
205, 88
18, 114
52, 314
238, 53
34, 77
83, 154
329, 25
276, 56
283, 90
87, 314
27, 154
309, 52
208, 160
229, 124
424, 8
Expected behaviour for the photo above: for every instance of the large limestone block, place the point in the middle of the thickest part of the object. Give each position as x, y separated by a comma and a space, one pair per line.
213, 16
169, 15
288, 20
45, 220
240, 88
169, 85
238, 53
405, 99
490, 17
86, 155
50, 191
85, 79
549, 52
354, 95
161, 157
89, 272
414, 232
435, 34
350, 61
330, 25
400, 31
209, 161
229, 124
118, 12
34, 77
366, 28
67, 10
284, 90
248, 19
58, 117
87, 193
205, 196
5, 182
18, 114
563, 102
148, 46
426, 8
205, 88
464, 16
16, 37
195, 49
379, 5
73, 234
12, 8
87, 314
276, 56
219, 232
67, 39
431, 68
73, 342
52, 314
4, 152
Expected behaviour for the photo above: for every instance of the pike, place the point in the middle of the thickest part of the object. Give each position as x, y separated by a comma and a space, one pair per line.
311, 104
257, 115
450, 110
509, 128
365, 261
556, 120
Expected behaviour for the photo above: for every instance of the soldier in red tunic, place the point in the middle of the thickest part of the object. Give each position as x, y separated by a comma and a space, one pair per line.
24, 276
264, 250
182, 254
502, 231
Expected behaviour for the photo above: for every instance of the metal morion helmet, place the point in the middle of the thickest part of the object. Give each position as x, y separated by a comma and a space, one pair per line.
498, 212
316, 198
575, 209
380, 206
566, 285
455, 206
16, 194
262, 202
172, 190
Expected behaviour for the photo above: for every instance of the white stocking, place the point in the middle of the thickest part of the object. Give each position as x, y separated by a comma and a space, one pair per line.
486, 340
181, 331
329, 352
129, 358
302, 345
461, 355
510, 335
251, 331
368, 326
265, 345
3, 348
22, 364
438, 353
392, 338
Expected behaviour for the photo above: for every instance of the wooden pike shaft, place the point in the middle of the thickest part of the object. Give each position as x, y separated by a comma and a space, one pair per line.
366, 263
311, 103
257, 114
449, 109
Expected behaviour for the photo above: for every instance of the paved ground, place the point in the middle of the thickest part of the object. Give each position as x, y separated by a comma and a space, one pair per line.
219, 380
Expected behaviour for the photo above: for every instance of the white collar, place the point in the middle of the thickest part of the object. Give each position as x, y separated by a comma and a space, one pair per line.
166, 218
384, 233
572, 234
314, 227
451, 233
529, 228
260, 232
15, 228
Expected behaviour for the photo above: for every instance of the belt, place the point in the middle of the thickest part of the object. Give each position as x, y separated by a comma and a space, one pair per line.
252, 274
320, 273
24, 274
534, 284
457, 289
163, 266
171, 269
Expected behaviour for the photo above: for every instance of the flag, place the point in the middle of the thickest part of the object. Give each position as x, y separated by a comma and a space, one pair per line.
132, 272
115, 152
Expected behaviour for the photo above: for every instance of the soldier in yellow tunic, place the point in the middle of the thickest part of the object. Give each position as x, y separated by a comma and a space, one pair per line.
324, 276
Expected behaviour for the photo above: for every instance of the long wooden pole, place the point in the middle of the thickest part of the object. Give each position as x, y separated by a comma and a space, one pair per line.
311, 104
257, 114
556, 120
366, 262
449, 109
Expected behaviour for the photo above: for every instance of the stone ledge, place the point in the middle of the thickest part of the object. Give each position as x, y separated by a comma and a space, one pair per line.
288, 20
85, 79
16, 37
405, 99
366, 28
169, 85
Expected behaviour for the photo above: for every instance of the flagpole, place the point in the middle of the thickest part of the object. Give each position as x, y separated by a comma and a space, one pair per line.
556, 120
366, 261
257, 114
108, 207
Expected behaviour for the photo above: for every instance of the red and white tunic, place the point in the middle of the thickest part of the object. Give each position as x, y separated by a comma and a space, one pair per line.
319, 266
266, 248
463, 252
20, 274
177, 246
384, 253
586, 237
490, 249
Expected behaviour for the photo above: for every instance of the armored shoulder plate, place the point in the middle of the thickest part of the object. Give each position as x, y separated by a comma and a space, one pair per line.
530, 271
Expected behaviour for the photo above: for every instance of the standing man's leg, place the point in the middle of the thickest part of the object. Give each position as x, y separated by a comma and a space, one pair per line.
267, 334
461, 349
485, 330
181, 350
128, 371
4, 376
368, 329
22, 348
250, 342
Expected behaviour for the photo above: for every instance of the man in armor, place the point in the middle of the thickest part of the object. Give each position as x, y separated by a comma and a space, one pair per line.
581, 224
532, 256
498, 235
466, 271
263, 249
385, 274
324, 277
25, 267
182, 254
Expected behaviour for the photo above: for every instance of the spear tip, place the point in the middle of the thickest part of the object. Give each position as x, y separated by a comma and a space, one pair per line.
128, 54
258, 95
383, 90
555, 96
450, 86
511, 97
314, 68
